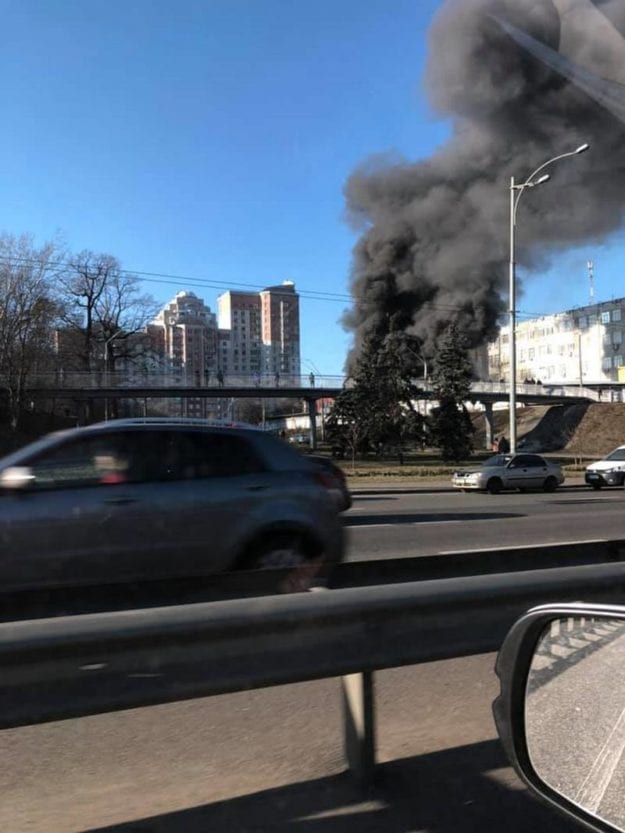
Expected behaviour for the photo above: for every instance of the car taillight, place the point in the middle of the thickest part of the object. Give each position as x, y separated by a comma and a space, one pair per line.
327, 480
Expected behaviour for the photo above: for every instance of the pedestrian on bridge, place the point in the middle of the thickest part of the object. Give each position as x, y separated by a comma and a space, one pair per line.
311, 379
220, 378
277, 379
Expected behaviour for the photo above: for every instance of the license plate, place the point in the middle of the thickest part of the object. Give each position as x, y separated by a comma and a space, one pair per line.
593, 477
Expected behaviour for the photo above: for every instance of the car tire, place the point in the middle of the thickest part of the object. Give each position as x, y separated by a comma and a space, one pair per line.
285, 551
494, 485
550, 484
596, 486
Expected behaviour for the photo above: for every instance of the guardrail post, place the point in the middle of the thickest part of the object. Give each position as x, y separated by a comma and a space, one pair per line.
359, 725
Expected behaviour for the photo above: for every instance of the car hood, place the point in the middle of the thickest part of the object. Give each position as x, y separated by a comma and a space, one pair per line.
605, 465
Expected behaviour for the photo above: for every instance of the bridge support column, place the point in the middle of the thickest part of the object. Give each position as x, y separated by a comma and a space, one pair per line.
359, 725
312, 416
490, 425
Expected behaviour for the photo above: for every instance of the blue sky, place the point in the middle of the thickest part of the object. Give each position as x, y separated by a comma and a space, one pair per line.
212, 139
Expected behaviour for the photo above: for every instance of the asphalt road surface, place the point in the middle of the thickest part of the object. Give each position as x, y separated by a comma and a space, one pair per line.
271, 760
405, 525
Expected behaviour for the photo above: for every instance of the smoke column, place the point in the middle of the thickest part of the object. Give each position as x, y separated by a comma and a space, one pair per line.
521, 80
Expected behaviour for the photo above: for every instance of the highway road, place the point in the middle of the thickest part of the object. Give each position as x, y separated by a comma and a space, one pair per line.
271, 760
408, 525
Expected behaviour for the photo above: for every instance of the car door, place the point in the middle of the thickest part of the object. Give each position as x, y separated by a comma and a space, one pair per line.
203, 488
78, 523
520, 474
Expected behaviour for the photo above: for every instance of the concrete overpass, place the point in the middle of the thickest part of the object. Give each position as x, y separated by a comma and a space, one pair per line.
88, 387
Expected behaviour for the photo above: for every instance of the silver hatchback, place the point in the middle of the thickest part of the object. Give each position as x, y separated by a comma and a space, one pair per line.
131, 500
511, 471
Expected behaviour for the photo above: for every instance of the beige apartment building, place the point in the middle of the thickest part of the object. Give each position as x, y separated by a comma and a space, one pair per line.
259, 333
584, 345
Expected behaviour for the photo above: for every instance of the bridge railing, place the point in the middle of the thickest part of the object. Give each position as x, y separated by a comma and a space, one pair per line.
133, 378
141, 379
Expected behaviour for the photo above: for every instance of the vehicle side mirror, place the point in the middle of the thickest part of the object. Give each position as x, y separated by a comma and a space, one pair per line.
561, 710
16, 478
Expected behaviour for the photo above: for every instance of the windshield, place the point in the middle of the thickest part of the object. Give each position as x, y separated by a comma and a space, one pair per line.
498, 460
617, 454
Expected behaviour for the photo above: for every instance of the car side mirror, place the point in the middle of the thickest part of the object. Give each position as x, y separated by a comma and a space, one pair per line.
561, 710
16, 478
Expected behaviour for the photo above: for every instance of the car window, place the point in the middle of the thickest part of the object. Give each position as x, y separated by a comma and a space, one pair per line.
192, 455
528, 461
98, 460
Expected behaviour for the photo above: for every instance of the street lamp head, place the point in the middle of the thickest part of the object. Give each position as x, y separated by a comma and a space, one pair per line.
542, 179
582, 148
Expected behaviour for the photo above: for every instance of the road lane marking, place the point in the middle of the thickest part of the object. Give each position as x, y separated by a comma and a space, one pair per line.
524, 546
593, 788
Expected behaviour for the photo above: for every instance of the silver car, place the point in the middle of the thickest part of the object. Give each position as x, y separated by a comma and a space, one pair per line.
511, 471
130, 500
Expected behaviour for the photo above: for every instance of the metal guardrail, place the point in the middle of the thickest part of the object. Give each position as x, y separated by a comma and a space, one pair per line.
68, 667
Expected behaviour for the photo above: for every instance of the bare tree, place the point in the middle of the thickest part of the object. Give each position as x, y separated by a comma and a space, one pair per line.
27, 314
104, 309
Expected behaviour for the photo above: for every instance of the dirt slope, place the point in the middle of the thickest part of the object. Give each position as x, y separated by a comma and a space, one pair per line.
590, 430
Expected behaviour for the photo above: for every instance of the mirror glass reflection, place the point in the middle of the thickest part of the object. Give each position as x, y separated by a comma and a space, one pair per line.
575, 713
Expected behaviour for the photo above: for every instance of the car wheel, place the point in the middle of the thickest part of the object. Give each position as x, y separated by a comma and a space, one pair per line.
596, 486
494, 485
550, 484
286, 551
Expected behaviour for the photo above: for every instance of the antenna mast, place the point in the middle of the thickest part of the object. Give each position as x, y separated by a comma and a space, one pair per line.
591, 281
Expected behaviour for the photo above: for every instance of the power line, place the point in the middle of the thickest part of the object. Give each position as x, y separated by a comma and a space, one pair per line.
173, 279
210, 283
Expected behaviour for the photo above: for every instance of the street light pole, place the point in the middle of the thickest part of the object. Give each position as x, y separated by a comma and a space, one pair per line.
516, 191
512, 319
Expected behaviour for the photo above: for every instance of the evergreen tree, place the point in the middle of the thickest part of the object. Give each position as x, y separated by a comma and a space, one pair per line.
451, 428
377, 411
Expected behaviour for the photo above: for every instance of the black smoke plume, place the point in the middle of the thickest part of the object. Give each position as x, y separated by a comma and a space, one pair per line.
521, 80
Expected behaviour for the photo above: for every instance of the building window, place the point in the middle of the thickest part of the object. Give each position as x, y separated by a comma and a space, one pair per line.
607, 363
531, 353
618, 361
616, 315
583, 322
605, 317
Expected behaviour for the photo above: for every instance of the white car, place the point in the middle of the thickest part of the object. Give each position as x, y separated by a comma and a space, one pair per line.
510, 471
607, 472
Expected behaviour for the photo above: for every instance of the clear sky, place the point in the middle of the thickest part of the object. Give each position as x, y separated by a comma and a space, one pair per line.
212, 139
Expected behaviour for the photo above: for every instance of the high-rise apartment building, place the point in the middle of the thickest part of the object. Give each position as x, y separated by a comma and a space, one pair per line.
254, 336
586, 344
183, 340
240, 334
259, 333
